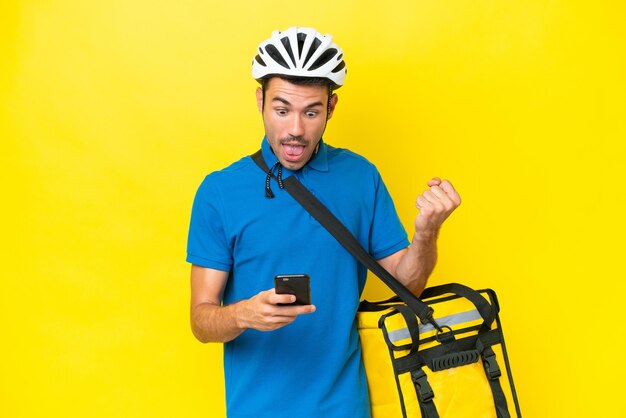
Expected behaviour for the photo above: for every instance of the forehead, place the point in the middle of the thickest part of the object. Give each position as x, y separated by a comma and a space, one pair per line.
278, 88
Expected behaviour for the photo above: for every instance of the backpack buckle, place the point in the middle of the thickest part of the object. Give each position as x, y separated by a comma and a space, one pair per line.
492, 369
424, 390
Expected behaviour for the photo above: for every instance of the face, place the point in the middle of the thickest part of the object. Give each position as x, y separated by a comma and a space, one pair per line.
294, 117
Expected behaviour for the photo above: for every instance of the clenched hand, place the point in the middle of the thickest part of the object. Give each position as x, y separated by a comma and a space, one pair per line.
435, 205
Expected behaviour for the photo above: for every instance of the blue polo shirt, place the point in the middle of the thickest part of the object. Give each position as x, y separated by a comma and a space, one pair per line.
311, 368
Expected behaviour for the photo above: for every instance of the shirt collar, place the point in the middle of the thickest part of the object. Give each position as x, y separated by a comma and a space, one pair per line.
318, 162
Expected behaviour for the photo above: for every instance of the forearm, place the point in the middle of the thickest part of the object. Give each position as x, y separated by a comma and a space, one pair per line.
265, 311
415, 264
216, 323
418, 262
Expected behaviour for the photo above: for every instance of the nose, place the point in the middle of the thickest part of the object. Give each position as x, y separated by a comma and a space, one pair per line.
296, 127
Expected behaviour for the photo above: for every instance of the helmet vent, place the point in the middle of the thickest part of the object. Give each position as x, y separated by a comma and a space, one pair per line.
287, 45
259, 60
340, 67
323, 59
316, 44
273, 52
301, 39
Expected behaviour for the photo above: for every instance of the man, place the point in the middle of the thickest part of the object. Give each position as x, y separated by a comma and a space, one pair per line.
298, 361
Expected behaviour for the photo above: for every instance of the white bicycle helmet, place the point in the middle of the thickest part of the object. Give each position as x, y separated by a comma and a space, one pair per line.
300, 52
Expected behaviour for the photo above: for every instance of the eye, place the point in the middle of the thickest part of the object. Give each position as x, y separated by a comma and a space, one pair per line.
311, 113
281, 112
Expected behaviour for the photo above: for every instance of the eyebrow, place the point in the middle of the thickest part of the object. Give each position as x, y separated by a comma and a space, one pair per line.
286, 102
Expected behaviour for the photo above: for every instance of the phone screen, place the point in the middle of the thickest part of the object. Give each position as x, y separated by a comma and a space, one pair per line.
294, 284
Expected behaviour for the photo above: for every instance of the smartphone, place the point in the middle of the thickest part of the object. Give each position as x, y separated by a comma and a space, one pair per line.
294, 284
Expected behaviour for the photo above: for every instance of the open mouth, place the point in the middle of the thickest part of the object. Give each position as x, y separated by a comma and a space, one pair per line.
292, 151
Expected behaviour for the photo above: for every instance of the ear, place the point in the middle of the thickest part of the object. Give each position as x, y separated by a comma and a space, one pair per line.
259, 99
333, 103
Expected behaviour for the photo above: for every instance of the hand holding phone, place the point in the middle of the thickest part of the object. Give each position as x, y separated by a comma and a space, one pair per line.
294, 284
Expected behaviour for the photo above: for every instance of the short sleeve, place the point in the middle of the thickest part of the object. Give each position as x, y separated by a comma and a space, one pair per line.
387, 235
207, 243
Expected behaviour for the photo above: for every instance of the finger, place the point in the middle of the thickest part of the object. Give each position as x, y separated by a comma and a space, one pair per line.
439, 192
270, 296
442, 196
447, 187
295, 310
435, 181
275, 323
432, 199
275, 298
287, 299
285, 315
421, 202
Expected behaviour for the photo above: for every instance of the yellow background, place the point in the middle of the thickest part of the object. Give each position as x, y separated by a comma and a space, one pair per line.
112, 112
